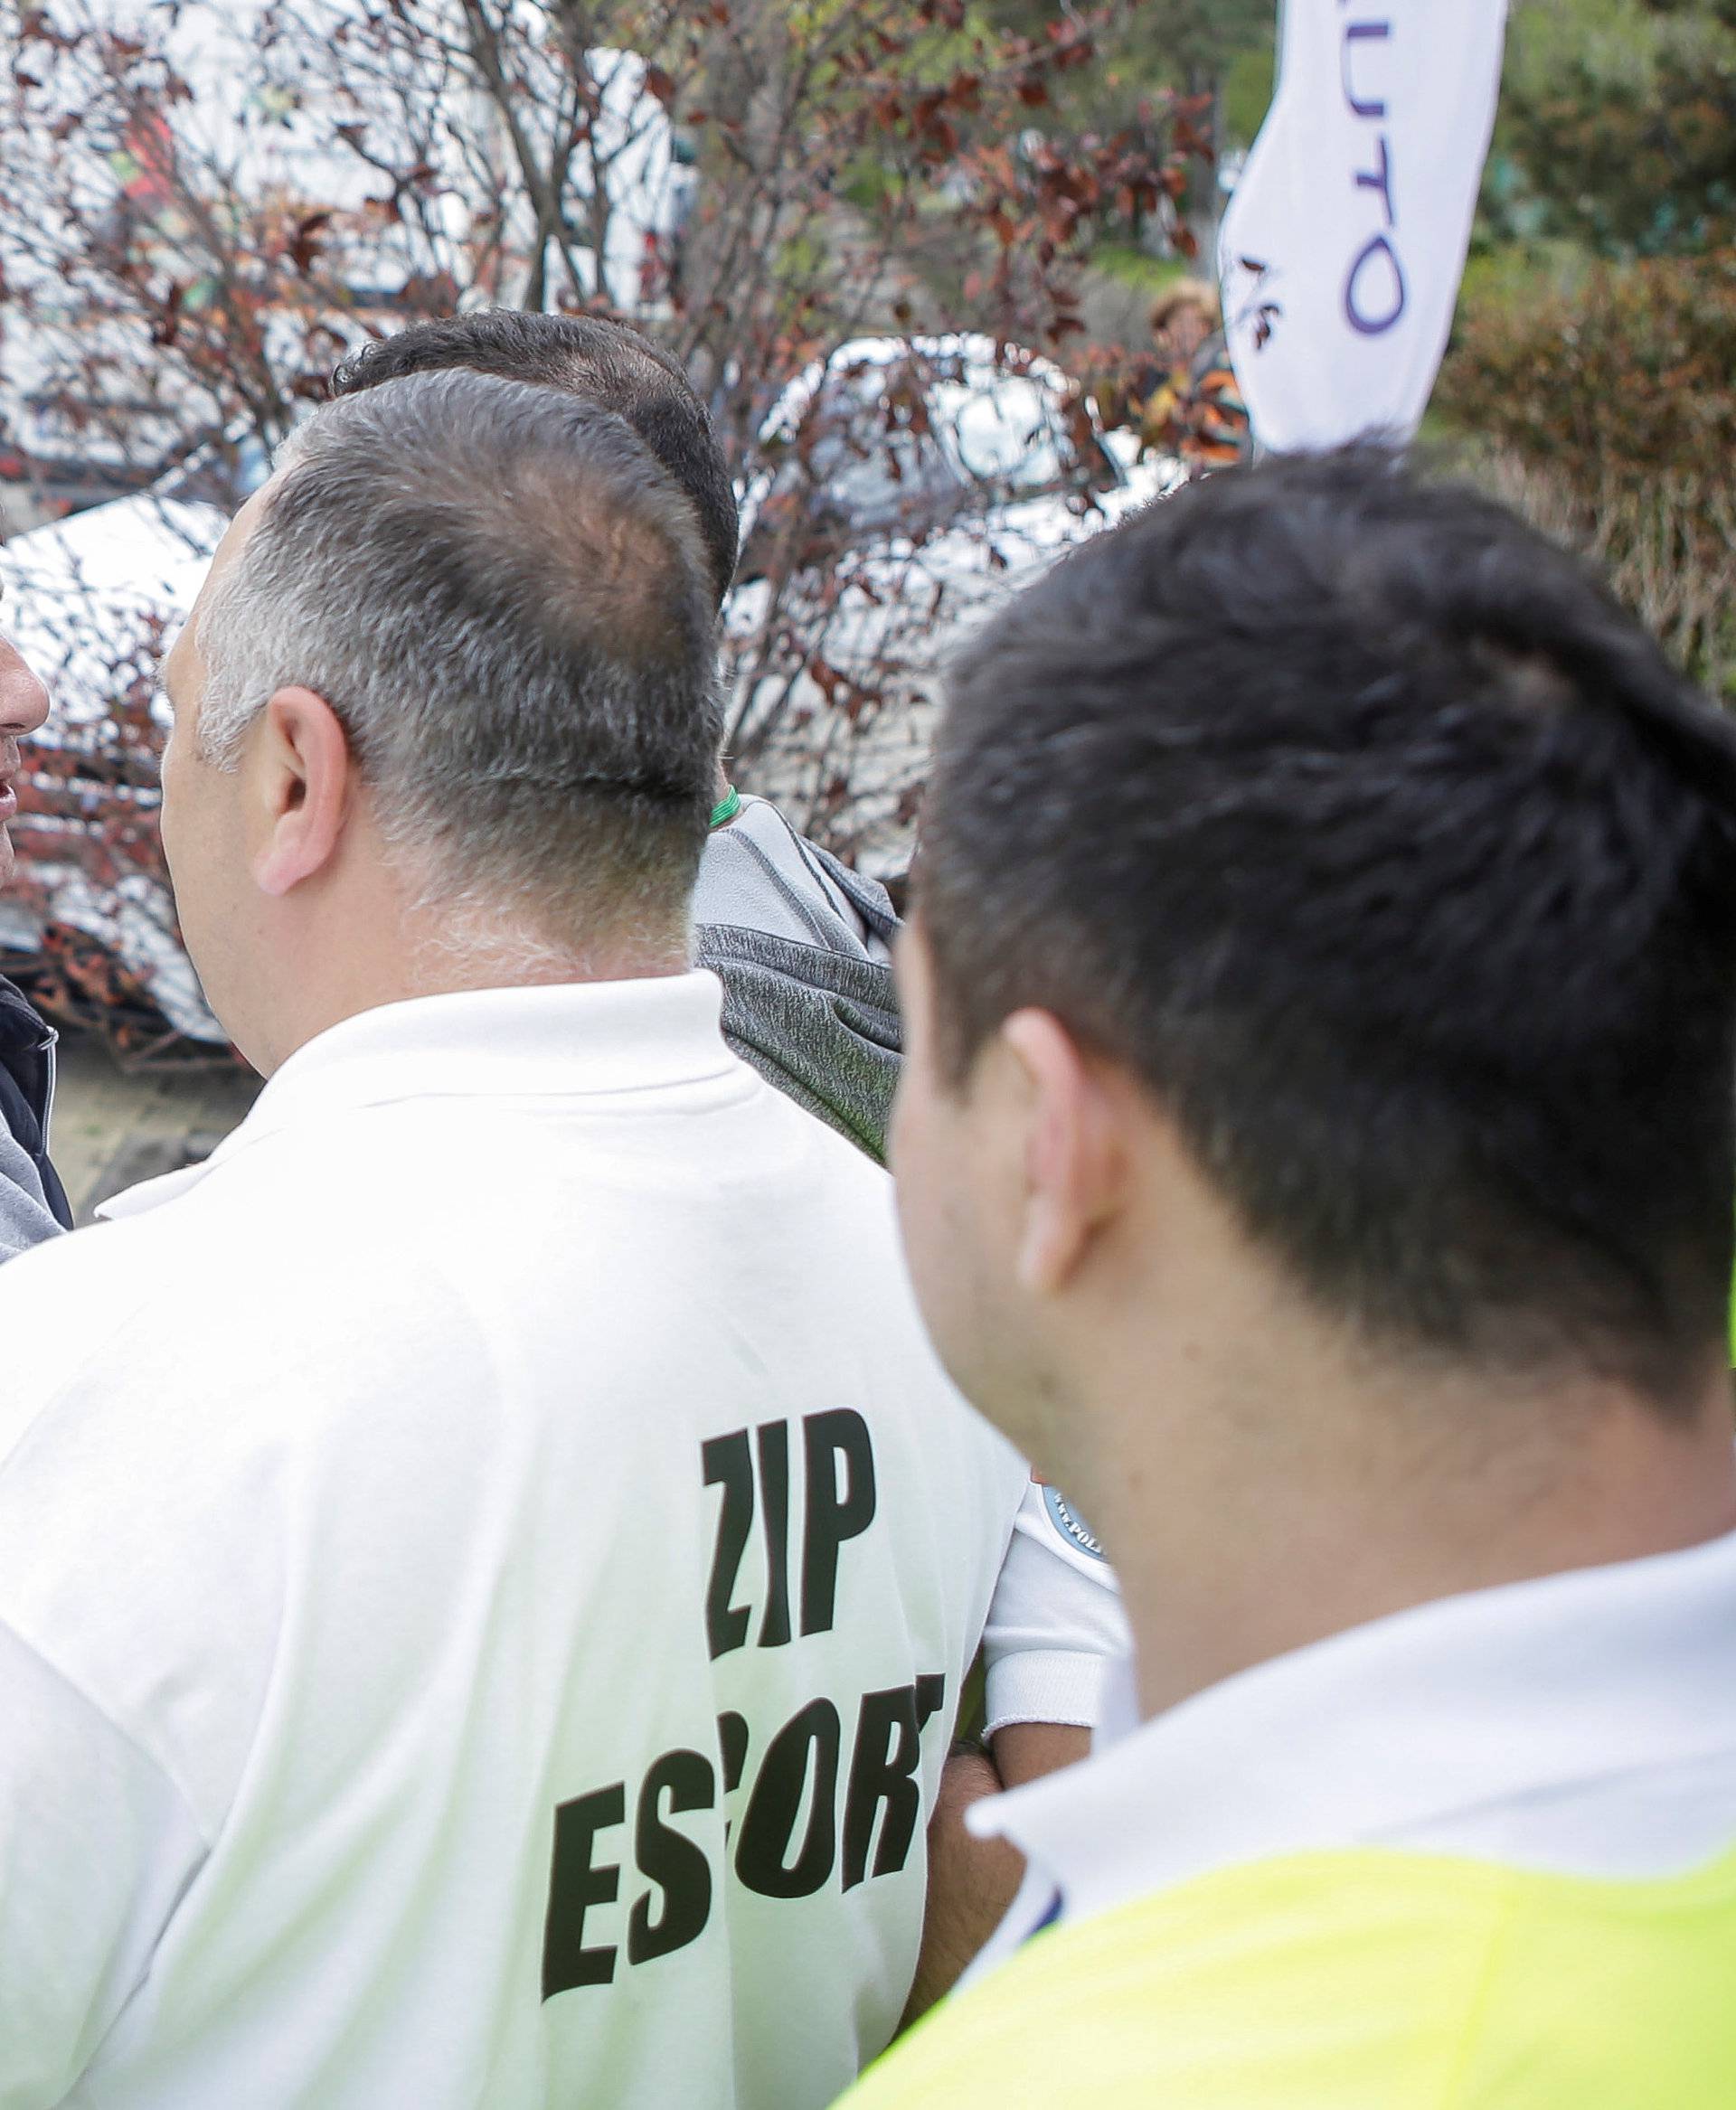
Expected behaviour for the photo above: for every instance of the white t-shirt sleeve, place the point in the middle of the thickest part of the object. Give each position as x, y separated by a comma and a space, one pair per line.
96, 1849
1055, 1620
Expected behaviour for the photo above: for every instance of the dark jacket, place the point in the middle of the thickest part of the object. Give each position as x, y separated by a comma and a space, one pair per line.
33, 1202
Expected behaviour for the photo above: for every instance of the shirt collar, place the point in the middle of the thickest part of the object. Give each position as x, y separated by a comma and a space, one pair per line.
564, 1038
1367, 1735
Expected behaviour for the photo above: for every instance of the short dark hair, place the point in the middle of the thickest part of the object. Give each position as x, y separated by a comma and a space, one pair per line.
502, 595
591, 356
1393, 857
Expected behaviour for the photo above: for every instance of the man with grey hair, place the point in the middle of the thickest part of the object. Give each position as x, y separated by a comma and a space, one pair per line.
800, 942
481, 1609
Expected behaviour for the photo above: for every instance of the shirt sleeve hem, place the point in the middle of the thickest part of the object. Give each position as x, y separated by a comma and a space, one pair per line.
1048, 1685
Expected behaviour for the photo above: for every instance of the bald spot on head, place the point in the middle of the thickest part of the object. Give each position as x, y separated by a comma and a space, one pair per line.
590, 565
596, 359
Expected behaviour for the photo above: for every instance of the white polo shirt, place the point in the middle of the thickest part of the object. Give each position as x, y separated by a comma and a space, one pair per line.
1583, 1724
487, 1569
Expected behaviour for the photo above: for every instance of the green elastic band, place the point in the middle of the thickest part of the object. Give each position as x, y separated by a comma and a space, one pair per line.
727, 807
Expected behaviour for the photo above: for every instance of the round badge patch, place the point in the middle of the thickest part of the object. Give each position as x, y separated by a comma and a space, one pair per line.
1068, 1522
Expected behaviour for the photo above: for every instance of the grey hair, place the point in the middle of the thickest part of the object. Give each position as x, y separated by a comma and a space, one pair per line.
504, 598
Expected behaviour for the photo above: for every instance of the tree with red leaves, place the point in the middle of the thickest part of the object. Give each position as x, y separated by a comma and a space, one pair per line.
204, 202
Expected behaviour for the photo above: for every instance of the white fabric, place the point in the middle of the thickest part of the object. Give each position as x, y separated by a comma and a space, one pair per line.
1341, 253
1056, 1621
355, 1517
1583, 1724
113, 1844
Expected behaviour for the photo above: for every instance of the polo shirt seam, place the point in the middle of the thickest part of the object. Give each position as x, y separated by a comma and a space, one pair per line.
496, 1090
166, 1775
127, 1735
791, 899
240, 1144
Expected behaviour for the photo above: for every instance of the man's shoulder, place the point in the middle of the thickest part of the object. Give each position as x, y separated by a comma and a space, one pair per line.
796, 1144
144, 1327
60, 1301
115, 1368
1348, 1979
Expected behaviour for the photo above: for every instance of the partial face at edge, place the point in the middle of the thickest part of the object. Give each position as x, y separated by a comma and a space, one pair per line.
204, 835
23, 706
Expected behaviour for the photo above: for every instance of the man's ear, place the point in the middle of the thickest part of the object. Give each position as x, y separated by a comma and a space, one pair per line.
1075, 1162
302, 774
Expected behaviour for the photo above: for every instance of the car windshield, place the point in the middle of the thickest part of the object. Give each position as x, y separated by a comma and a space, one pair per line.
908, 446
1011, 434
868, 458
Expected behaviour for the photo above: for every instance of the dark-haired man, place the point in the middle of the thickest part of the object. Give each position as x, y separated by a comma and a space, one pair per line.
32, 1204
1324, 1162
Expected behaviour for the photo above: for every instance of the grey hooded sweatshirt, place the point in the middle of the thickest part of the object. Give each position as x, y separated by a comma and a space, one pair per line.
802, 946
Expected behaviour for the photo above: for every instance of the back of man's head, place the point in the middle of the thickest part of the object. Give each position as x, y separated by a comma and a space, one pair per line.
590, 356
503, 597
1361, 827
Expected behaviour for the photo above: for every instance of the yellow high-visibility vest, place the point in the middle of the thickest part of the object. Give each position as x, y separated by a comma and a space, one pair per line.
1351, 1978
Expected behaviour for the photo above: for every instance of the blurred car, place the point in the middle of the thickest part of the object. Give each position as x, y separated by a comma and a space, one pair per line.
92, 602
909, 485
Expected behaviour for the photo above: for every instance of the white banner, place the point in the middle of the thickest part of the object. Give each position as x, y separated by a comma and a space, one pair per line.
1341, 253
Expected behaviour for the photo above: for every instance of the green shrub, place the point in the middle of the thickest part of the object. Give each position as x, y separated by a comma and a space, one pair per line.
1607, 412
1668, 548
1129, 265
1617, 127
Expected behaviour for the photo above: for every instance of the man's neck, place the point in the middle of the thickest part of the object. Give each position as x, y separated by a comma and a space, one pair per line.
434, 962
1253, 1519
